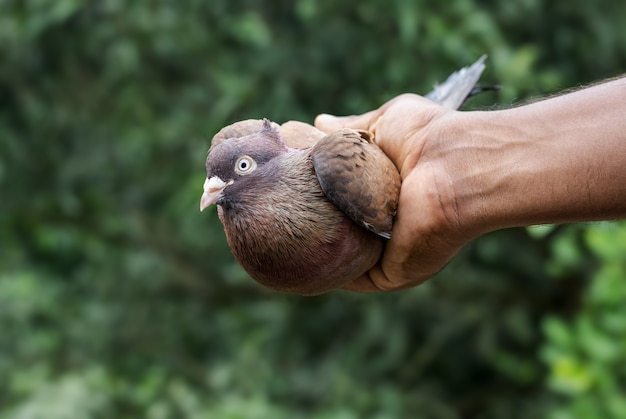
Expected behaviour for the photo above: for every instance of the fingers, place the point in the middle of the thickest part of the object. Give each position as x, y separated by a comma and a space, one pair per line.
377, 281
329, 123
422, 241
361, 284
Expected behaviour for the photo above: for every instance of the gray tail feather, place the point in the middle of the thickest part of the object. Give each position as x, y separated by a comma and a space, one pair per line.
459, 86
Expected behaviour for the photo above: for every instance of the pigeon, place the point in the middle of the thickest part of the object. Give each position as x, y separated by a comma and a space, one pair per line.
307, 212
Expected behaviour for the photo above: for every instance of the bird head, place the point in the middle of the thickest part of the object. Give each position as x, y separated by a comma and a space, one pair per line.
234, 160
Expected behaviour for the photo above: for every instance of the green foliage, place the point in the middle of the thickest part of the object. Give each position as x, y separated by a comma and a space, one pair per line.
587, 354
119, 299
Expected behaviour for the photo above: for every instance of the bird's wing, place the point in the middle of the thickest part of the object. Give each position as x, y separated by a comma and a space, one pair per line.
459, 86
358, 178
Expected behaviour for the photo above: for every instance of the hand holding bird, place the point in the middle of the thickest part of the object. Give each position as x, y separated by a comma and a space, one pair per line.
304, 211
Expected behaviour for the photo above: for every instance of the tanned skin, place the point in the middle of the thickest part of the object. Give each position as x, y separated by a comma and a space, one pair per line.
464, 174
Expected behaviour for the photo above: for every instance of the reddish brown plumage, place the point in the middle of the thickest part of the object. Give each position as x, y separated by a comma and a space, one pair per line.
279, 222
288, 236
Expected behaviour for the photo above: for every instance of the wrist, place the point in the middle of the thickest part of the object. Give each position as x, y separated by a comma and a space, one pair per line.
485, 163
489, 170
555, 161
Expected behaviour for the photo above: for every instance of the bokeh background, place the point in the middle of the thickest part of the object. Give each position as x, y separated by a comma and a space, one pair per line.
119, 299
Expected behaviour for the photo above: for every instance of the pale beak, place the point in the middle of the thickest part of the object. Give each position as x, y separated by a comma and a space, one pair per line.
213, 189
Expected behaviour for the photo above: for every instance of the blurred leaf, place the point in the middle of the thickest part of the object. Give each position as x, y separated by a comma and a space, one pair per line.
570, 377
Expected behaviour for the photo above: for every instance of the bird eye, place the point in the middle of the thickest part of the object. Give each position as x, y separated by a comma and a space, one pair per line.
245, 165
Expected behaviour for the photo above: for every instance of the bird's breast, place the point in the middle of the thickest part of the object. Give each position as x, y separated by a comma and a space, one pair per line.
289, 236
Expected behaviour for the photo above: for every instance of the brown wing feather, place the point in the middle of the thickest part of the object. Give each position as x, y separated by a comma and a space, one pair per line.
358, 178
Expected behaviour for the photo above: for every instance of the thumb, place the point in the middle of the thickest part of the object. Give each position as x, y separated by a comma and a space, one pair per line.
329, 123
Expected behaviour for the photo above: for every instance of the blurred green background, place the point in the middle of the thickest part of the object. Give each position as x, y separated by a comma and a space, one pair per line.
119, 299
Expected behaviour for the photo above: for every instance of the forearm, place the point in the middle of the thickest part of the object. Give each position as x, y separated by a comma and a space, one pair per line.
554, 161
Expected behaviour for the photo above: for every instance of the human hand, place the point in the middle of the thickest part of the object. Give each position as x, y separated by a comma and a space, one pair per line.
559, 160
427, 231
